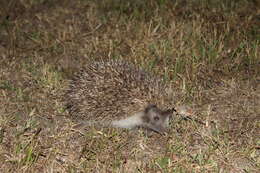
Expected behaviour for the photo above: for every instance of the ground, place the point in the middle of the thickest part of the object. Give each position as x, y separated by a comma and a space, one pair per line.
207, 50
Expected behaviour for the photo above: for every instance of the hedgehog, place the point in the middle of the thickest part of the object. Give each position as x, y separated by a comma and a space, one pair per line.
116, 93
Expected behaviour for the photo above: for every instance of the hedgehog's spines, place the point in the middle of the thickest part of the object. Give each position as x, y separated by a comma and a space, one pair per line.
115, 90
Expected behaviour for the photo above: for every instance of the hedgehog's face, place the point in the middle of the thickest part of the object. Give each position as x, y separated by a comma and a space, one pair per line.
156, 119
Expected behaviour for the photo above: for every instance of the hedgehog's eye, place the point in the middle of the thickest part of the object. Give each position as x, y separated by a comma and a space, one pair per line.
156, 118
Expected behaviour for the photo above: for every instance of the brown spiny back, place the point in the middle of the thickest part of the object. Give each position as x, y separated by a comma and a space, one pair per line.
113, 89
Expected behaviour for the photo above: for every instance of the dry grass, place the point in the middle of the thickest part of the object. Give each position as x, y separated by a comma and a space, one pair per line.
208, 50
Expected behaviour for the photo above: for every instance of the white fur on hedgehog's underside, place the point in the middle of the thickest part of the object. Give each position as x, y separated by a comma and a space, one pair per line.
131, 122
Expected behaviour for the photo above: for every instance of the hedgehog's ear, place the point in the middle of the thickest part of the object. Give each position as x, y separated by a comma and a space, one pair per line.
150, 107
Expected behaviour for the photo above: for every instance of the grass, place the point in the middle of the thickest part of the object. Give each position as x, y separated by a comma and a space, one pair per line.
208, 50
